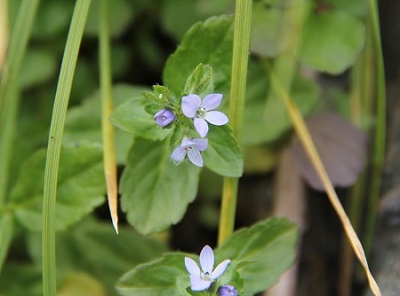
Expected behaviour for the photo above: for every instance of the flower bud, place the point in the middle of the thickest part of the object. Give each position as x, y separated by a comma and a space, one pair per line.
227, 290
164, 117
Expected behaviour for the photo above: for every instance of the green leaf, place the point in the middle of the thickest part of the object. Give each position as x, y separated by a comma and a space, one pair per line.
155, 191
200, 81
17, 279
80, 187
121, 15
80, 284
332, 40
158, 277
268, 121
267, 249
83, 122
209, 42
6, 235
132, 118
223, 155
266, 27
37, 67
355, 7
93, 247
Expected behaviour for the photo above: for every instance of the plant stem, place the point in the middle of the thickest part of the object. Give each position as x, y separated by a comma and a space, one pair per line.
54, 145
9, 88
380, 130
241, 43
110, 167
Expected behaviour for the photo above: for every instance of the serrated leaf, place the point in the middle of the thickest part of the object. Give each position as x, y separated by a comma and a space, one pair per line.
223, 155
209, 42
267, 249
268, 121
158, 277
83, 122
155, 191
331, 42
80, 187
200, 81
266, 24
132, 118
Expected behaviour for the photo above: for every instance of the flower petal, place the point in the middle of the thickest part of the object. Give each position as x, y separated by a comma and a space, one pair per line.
186, 142
207, 259
198, 284
220, 269
201, 127
195, 156
179, 154
192, 267
216, 118
190, 104
201, 144
211, 101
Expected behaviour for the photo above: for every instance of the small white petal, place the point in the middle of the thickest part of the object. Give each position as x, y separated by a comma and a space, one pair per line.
201, 144
211, 101
190, 104
179, 154
216, 118
194, 156
201, 127
207, 259
198, 284
220, 269
192, 267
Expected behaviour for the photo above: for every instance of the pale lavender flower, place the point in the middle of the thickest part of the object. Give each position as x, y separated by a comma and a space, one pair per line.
227, 290
164, 117
191, 148
201, 279
200, 111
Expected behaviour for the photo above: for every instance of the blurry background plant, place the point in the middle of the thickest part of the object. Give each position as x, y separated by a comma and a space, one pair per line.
335, 71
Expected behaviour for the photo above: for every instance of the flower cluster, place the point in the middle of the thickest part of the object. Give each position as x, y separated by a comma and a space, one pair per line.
201, 113
201, 279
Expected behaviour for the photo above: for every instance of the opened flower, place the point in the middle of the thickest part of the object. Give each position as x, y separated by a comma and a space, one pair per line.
191, 148
227, 290
200, 111
201, 279
164, 117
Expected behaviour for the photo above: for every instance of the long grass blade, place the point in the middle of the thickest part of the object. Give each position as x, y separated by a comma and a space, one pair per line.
54, 145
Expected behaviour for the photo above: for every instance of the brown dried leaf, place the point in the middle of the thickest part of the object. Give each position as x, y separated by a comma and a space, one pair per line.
341, 146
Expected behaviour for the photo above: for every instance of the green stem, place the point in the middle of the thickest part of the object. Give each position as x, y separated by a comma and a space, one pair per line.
241, 44
9, 88
110, 168
380, 130
54, 145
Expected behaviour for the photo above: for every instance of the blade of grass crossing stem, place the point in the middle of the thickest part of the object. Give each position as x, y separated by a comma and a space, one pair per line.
110, 168
306, 140
54, 146
9, 88
241, 44
380, 129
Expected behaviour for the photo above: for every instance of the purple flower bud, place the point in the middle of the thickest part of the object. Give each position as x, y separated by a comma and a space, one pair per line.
227, 290
164, 117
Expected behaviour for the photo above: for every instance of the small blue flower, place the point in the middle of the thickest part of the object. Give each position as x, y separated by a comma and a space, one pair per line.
191, 148
227, 290
201, 279
164, 117
194, 107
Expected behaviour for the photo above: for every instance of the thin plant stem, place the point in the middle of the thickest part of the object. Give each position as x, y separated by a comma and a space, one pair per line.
54, 145
110, 167
9, 88
380, 130
241, 43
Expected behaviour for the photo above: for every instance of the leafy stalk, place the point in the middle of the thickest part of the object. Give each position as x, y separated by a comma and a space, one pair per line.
9, 98
54, 145
110, 167
241, 43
